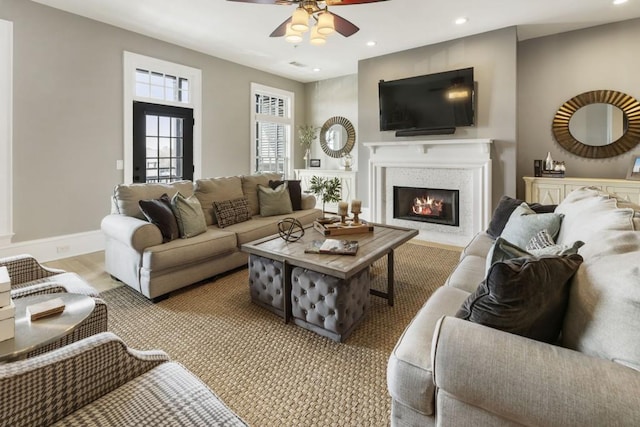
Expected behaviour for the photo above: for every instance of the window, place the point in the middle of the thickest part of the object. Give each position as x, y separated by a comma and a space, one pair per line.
272, 118
152, 84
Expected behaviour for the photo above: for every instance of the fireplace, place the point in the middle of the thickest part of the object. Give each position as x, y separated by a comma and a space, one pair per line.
434, 205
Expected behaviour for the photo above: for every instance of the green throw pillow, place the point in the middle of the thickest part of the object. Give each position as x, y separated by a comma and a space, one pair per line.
188, 212
274, 201
524, 224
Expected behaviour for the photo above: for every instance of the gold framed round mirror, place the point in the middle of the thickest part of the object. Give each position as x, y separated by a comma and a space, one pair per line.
598, 124
337, 137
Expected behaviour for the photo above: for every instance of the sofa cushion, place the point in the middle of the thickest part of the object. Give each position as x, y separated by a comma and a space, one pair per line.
166, 395
504, 209
468, 274
524, 224
524, 296
295, 192
159, 213
216, 189
479, 245
602, 317
231, 212
260, 226
127, 196
250, 188
274, 201
409, 371
189, 215
587, 211
181, 252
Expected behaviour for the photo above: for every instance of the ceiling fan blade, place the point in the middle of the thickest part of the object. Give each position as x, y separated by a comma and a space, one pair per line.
281, 30
264, 1
348, 2
343, 26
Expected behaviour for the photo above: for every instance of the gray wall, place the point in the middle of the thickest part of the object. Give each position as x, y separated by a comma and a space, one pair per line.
554, 69
329, 98
68, 119
493, 56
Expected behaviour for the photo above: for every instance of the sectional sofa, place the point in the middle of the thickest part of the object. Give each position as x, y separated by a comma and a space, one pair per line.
136, 255
448, 370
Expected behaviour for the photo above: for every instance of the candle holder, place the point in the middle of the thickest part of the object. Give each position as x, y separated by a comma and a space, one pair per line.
355, 210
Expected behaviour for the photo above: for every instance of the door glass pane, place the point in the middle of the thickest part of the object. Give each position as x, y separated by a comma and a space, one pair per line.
164, 147
152, 125
176, 147
165, 126
152, 148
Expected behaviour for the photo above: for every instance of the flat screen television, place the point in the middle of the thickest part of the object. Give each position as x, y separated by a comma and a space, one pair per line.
430, 103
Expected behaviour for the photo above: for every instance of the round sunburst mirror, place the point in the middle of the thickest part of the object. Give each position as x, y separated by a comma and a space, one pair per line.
337, 137
598, 124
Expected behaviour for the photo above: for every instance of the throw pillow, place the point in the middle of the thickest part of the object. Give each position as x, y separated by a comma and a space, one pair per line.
524, 296
231, 212
188, 212
541, 240
274, 201
524, 223
295, 192
503, 250
158, 212
542, 244
506, 206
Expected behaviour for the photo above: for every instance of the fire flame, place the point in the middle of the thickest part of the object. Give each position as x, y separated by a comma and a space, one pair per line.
427, 206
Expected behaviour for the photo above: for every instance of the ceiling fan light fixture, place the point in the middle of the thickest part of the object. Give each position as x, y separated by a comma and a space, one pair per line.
325, 23
292, 36
316, 38
300, 20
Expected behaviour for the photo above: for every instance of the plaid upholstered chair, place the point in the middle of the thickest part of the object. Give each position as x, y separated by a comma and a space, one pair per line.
99, 381
29, 277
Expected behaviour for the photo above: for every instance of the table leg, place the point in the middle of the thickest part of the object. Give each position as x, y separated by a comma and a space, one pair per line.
390, 281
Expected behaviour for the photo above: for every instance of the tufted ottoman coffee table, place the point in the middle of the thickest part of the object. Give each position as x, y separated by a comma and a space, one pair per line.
328, 294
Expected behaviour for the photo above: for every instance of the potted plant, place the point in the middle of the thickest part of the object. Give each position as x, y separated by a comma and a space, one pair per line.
306, 135
325, 189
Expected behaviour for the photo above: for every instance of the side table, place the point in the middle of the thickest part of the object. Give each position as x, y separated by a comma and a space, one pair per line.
30, 335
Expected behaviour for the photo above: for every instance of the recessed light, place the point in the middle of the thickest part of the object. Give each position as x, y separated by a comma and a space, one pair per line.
619, 1
461, 20
371, 43
315, 70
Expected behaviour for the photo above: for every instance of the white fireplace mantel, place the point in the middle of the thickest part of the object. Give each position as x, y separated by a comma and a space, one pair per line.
460, 164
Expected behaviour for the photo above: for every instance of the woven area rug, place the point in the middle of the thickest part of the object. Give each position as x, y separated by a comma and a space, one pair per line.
276, 374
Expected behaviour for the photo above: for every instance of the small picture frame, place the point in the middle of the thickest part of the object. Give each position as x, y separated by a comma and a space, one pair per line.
314, 163
634, 168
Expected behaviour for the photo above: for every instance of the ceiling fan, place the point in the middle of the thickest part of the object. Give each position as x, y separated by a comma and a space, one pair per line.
325, 21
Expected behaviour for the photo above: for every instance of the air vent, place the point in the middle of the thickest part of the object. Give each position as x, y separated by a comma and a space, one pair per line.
297, 64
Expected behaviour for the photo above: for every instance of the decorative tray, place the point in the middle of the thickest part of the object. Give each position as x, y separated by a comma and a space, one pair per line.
337, 228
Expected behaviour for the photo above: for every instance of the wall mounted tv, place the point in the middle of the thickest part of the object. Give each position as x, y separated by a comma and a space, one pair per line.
427, 105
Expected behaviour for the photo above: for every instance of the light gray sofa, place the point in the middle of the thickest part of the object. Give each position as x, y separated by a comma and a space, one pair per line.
447, 371
99, 381
135, 254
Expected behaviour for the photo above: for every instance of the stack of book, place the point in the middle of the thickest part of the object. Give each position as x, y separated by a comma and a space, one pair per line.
7, 308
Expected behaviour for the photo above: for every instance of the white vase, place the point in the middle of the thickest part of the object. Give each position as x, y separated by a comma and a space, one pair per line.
307, 156
548, 163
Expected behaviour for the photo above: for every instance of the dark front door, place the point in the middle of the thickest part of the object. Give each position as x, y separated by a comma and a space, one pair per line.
162, 143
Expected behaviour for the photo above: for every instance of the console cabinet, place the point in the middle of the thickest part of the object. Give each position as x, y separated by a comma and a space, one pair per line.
551, 191
347, 181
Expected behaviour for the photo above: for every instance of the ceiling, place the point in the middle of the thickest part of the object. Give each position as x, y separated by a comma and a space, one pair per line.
239, 32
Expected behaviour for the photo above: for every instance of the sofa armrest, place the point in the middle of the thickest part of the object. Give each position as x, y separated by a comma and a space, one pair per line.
46, 388
25, 268
132, 232
308, 201
530, 382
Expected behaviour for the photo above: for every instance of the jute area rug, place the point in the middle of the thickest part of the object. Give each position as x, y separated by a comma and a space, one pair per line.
276, 374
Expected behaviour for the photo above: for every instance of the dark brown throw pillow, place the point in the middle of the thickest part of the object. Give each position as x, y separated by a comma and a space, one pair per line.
525, 296
158, 212
295, 192
231, 212
505, 208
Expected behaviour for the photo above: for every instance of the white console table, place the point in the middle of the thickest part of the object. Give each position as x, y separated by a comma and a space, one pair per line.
347, 184
551, 191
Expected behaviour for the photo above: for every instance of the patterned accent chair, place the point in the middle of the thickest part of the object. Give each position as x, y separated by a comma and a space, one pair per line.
101, 381
29, 277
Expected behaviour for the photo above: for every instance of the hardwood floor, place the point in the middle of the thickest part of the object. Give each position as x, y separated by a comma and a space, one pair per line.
90, 267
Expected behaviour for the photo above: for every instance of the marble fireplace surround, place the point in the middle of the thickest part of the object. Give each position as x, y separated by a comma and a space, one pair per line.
454, 164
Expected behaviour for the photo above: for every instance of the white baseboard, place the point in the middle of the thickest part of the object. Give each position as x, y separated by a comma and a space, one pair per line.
53, 248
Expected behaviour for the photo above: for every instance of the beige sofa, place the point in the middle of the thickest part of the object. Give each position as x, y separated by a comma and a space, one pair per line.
135, 254
448, 371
